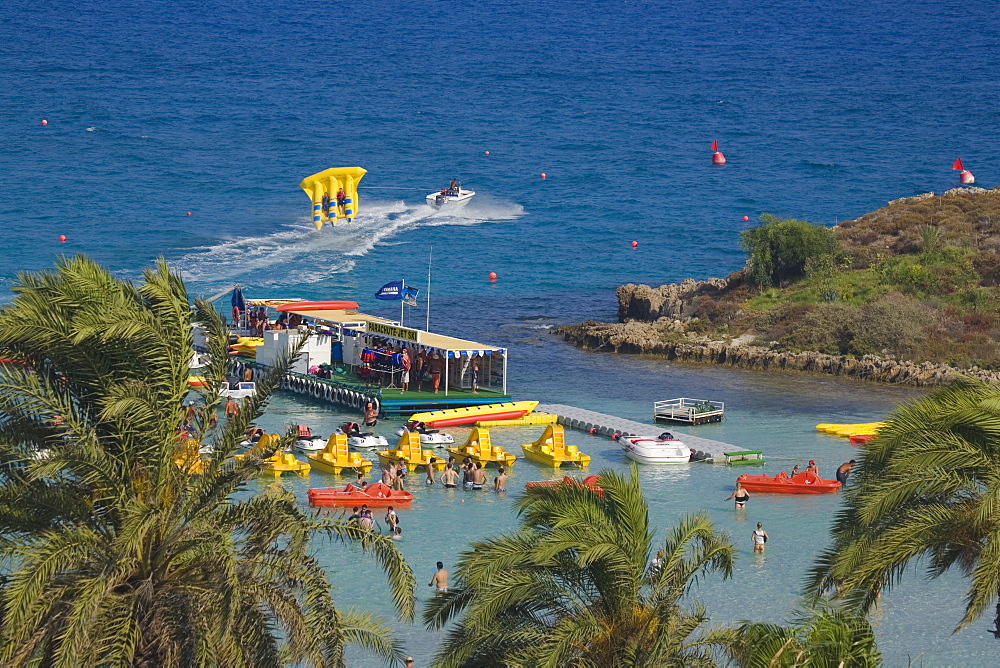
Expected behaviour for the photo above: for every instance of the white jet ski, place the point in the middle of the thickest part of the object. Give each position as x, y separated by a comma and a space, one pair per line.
367, 440
307, 441
431, 437
252, 437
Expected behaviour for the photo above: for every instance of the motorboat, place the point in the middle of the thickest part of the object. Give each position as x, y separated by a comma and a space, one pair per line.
307, 441
367, 440
590, 482
805, 482
450, 198
663, 450
431, 437
375, 495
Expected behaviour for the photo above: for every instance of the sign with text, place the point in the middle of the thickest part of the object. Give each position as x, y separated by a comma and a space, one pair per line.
404, 333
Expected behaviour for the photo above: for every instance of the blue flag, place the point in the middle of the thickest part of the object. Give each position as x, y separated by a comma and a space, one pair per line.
410, 295
393, 290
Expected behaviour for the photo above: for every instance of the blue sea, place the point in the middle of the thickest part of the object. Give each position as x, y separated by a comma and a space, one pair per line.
824, 111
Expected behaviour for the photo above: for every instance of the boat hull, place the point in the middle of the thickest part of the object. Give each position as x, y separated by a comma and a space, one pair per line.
654, 451
801, 483
375, 495
451, 201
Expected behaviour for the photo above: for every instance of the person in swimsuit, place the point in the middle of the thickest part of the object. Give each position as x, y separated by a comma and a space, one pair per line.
741, 496
326, 205
390, 519
430, 470
389, 472
371, 416
843, 471
759, 537
440, 579
500, 482
812, 468
342, 201
478, 476
795, 471
450, 477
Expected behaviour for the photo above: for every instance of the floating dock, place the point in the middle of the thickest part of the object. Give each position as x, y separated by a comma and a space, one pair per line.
606, 425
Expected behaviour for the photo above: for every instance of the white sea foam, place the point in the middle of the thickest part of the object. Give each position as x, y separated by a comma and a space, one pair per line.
311, 256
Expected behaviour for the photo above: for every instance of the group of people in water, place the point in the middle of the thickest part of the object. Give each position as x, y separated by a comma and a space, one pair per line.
472, 475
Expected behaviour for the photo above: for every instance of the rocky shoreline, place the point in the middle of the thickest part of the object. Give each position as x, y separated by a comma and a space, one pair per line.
647, 339
655, 321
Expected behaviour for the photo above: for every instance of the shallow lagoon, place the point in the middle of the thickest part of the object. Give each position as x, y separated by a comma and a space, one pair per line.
775, 413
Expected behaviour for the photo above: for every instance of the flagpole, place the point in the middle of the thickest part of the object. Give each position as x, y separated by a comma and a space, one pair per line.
402, 291
430, 257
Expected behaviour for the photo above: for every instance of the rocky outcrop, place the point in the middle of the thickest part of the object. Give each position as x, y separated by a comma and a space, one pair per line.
657, 339
674, 301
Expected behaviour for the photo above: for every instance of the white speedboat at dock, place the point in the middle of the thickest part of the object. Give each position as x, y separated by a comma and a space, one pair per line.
663, 450
450, 199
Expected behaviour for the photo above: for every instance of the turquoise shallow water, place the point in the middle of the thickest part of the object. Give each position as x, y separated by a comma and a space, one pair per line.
774, 413
824, 110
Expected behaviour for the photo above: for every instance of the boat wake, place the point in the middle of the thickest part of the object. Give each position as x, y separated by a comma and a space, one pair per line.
301, 252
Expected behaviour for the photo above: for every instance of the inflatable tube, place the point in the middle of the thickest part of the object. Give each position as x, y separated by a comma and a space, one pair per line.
329, 393
317, 390
318, 306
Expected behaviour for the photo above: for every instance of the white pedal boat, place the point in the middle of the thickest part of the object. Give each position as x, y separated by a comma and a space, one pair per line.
365, 440
307, 441
449, 199
431, 437
663, 450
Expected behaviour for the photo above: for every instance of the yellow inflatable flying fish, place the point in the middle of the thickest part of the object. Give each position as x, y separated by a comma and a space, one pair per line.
334, 194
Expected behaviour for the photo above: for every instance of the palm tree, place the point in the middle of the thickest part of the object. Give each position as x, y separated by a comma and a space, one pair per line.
110, 552
574, 586
819, 637
926, 487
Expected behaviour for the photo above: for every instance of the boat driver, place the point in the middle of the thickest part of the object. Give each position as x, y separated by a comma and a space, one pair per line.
454, 187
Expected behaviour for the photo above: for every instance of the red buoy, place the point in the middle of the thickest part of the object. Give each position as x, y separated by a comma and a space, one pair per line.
62, 237
44, 122
635, 244
544, 176
493, 275
746, 218
486, 152
718, 158
966, 177
188, 213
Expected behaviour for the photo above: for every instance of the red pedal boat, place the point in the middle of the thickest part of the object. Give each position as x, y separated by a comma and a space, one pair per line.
590, 481
376, 495
801, 483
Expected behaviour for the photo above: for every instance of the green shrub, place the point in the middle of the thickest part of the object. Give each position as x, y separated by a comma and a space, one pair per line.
779, 249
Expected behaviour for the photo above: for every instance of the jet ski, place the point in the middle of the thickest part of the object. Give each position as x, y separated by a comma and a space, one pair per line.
307, 441
432, 437
366, 440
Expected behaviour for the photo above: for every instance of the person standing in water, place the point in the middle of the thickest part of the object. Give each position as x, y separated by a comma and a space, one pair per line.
843, 471
741, 496
759, 537
440, 579
500, 482
450, 477
430, 470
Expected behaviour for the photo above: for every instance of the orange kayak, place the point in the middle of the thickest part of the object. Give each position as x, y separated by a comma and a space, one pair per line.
802, 483
376, 495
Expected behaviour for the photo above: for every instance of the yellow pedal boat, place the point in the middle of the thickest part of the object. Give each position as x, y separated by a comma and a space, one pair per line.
335, 457
280, 462
408, 449
551, 449
479, 448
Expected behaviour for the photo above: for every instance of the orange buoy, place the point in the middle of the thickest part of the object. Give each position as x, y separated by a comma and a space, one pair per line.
493, 275
44, 122
635, 244
544, 176
62, 237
